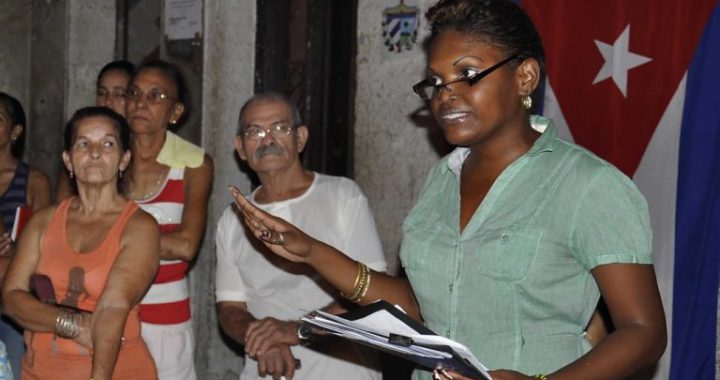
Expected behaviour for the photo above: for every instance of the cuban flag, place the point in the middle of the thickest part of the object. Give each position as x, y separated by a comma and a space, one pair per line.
638, 83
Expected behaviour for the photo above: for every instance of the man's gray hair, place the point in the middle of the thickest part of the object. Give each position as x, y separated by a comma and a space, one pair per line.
269, 96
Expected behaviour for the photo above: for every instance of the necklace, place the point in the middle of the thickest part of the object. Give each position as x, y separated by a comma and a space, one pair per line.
154, 190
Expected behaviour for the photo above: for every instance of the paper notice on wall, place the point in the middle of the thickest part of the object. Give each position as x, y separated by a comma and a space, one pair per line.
183, 19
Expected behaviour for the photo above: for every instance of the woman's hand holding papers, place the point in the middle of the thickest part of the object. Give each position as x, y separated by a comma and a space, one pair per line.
441, 374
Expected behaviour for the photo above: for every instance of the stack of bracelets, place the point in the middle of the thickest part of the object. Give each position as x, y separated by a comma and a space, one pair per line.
362, 283
67, 324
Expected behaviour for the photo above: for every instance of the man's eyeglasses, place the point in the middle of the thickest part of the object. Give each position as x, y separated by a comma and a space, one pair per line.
428, 89
152, 97
257, 133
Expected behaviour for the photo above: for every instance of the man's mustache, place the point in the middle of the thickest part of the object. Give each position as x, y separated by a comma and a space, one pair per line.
269, 149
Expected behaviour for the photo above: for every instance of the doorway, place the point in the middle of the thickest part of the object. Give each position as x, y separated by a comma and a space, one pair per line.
306, 49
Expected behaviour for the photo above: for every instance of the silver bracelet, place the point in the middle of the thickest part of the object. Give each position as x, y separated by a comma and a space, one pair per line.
67, 324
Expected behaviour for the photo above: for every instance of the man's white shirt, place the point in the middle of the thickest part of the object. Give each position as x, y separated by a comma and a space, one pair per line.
333, 210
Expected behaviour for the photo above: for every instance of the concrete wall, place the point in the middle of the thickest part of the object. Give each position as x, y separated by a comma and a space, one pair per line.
46, 105
15, 48
90, 42
228, 67
57, 48
395, 141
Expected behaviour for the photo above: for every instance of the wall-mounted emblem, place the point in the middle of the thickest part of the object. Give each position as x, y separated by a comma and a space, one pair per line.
400, 27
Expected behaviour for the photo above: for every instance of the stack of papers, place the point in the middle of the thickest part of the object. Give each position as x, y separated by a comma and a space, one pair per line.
386, 327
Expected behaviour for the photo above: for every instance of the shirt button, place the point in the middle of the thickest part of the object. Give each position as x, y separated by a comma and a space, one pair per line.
410, 229
451, 287
447, 333
505, 237
454, 244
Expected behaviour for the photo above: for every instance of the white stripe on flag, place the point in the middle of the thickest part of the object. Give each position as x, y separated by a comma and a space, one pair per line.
656, 177
553, 111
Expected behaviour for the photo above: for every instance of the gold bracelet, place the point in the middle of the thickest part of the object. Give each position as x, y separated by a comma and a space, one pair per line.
541, 376
357, 294
359, 287
357, 279
365, 287
360, 284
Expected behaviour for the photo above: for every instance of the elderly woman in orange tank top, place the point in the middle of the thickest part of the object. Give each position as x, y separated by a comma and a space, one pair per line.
100, 253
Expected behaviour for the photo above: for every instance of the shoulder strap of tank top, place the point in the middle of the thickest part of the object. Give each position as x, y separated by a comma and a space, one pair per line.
122, 220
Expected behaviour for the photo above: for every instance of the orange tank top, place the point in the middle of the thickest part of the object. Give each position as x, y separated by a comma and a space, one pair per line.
79, 278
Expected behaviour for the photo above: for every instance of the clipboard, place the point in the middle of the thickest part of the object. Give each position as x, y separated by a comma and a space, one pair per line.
385, 327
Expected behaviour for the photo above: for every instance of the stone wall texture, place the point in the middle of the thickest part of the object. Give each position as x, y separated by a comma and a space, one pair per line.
396, 142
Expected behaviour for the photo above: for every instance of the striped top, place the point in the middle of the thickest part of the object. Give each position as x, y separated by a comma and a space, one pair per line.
168, 300
14, 196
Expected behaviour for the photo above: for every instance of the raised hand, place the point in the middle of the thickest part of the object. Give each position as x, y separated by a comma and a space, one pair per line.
283, 238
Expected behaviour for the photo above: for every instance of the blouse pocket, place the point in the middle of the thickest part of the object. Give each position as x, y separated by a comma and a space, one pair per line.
505, 254
414, 246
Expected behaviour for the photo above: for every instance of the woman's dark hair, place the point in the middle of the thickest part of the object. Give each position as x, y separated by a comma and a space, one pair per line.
17, 117
500, 23
174, 74
119, 122
123, 66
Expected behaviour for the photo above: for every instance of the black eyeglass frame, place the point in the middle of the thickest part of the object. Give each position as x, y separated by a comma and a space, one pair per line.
471, 80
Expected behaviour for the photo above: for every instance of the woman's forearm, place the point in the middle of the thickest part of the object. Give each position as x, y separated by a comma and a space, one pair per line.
631, 294
342, 271
178, 246
30, 313
107, 329
627, 350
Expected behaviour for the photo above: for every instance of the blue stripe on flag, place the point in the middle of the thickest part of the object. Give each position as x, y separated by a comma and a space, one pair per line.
697, 229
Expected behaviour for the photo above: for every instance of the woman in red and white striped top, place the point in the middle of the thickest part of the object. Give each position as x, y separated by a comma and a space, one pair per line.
169, 178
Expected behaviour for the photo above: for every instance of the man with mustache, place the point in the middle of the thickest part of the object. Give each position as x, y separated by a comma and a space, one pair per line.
260, 296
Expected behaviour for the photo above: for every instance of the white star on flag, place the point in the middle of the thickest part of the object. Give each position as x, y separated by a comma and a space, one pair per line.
618, 61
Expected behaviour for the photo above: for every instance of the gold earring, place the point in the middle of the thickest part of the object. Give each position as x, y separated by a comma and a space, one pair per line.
526, 102
71, 174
